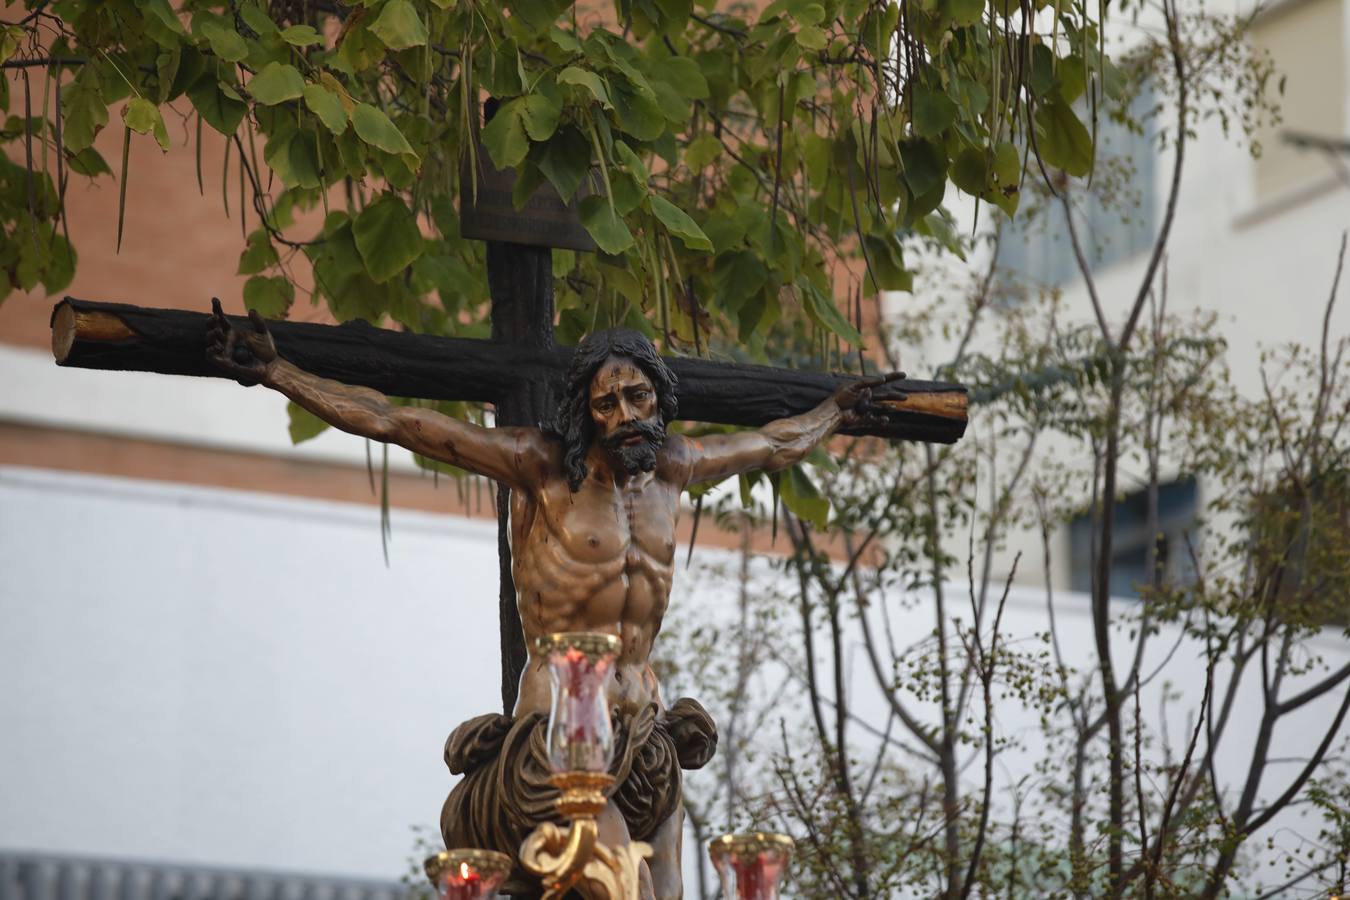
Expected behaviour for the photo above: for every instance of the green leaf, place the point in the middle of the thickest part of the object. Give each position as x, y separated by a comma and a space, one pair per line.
399, 26
59, 269
820, 309
501, 73
565, 160
539, 14
10, 38
336, 260
259, 21
190, 66
925, 166
143, 117
374, 127
685, 76
446, 274
702, 151
758, 314
887, 271
964, 13
801, 497
590, 81
933, 112
565, 41
358, 51
387, 237
294, 157
303, 424
609, 231
504, 136
276, 83
628, 194
970, 171
738, 276
677, 221
673, 106
87, 162
528, 180
259, 255
1007, 164
270, 296
166, 72
1063, 141
1072, 78
327, 106
164, 13
221, 111
29, 268
539, 113
812, 38
1042, 79
627, 157
85, 111
301, 36
637, 109
225, 41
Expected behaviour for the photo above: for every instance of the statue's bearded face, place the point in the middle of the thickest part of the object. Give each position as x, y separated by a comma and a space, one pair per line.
626, 414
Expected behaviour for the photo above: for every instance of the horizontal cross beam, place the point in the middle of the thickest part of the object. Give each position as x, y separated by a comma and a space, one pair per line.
117, 336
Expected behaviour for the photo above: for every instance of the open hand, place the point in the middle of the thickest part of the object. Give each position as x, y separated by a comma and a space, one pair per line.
855, 400
244, 354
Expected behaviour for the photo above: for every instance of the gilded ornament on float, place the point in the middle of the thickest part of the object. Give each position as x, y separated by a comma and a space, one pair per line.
580, 745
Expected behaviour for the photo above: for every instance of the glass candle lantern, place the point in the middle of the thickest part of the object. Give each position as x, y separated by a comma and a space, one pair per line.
751, 865
580, 736
467, 874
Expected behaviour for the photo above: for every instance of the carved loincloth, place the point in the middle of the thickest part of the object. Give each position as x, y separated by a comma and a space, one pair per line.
505, 791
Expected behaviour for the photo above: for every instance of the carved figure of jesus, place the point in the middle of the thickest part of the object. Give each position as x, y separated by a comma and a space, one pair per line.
595, 497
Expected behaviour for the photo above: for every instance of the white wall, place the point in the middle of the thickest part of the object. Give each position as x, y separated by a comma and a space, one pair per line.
212, 676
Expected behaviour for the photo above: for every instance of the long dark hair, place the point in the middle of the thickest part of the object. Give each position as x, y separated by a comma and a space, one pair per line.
573, 425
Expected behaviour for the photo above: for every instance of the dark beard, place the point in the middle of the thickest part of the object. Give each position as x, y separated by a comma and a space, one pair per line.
639, 457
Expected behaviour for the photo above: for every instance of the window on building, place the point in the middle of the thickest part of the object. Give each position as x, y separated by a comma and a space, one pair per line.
1177, 509
1306, 42
1115, 219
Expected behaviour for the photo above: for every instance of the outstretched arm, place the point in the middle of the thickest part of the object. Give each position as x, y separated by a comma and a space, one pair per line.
513, 456
784, 441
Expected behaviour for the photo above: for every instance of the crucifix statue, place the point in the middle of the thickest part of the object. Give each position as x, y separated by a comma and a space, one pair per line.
595, 495
589, 494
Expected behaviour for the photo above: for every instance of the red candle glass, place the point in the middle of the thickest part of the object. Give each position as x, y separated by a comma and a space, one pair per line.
751, 865
580, 736
467, 874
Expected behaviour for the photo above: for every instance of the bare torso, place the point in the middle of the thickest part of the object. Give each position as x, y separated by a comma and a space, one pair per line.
599, 559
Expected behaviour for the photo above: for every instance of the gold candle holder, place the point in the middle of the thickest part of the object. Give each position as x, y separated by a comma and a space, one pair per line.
751, 865
580, 741
467, 874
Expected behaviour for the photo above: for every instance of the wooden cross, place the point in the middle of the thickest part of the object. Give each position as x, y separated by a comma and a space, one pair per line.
513, 371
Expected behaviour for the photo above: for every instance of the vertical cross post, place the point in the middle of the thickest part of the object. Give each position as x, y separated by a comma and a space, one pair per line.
520, 280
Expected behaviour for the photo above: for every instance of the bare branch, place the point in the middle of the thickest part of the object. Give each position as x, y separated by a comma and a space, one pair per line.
1084, 268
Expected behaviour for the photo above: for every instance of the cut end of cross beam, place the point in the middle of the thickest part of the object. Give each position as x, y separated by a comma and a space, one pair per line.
70, 326
946, 404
